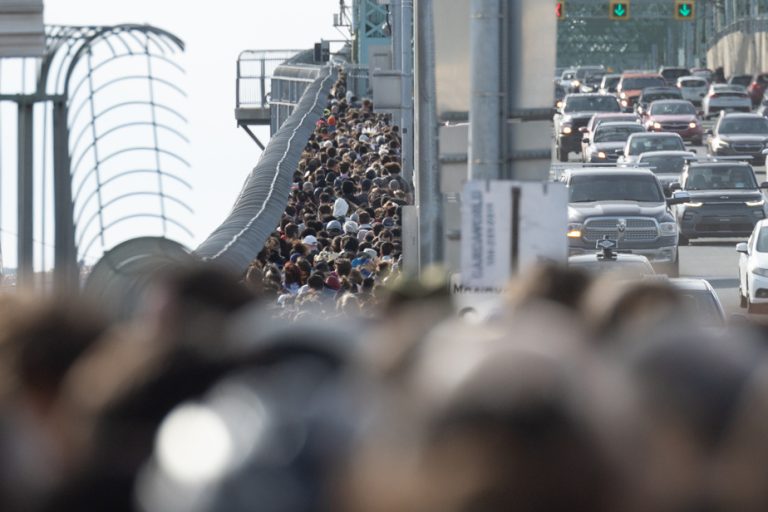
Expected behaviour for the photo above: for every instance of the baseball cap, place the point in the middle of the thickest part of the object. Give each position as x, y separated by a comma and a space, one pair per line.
309, 240
350, 227
334, 225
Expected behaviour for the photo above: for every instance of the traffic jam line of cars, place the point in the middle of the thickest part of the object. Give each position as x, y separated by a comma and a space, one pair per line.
639, 193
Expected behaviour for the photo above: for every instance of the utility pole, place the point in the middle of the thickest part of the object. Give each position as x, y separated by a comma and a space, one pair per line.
429, 198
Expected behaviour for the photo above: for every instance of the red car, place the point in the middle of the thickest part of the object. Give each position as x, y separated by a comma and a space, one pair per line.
631, 86
676, 116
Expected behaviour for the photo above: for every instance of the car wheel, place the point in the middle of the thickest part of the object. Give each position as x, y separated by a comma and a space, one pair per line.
562, 154
683, 240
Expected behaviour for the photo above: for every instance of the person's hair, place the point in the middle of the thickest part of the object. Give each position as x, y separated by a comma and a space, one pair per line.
291, 230
387, 248
363, 217
343, 267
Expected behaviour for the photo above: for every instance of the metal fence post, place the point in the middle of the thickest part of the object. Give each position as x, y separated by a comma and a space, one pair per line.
66, 275
25, 242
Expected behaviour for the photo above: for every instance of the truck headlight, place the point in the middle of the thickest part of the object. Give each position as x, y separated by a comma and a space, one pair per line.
692, 125
657, 126
668, 228
758, 202
623, 95
601, 155
575, 231
566, 129
760, 271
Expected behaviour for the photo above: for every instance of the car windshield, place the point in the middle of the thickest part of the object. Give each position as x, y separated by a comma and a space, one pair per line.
630, 84
629, 118
642, 188
646, 144
665, 164
672, 109
669, 95
591, 104
616, 133
721, 178
762, 240
749, 125
610, 83
693, 83
674, 74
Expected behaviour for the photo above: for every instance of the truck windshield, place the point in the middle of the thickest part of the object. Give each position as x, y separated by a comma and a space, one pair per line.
641, 188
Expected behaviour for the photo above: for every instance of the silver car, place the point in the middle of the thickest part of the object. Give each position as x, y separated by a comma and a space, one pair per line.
693, 88
726, 97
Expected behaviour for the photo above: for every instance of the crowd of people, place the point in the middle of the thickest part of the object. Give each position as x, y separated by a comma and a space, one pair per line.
577, 394
340, 237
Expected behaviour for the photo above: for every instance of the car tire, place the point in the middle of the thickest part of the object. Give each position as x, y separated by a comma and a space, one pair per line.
562, 154
683, 241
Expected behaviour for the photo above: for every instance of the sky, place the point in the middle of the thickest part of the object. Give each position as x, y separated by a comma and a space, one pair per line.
221, 155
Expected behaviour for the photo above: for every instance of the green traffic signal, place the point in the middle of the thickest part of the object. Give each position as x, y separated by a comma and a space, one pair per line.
685, 10
619, 10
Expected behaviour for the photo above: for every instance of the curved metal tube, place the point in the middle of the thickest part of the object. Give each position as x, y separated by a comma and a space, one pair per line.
262, 201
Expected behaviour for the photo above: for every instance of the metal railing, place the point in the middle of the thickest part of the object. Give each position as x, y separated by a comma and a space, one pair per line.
255, 69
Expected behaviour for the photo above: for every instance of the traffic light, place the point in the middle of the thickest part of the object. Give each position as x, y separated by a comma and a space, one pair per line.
685, 10
560, 10
619, 10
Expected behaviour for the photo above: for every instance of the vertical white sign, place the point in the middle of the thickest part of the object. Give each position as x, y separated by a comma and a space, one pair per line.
509, 226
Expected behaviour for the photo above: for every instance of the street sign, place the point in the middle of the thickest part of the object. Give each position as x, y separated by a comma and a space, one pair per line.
508, 227
619, 10
560, 10
685, 10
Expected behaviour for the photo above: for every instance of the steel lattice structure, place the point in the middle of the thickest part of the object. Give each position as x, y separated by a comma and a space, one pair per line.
650, 37
118, 142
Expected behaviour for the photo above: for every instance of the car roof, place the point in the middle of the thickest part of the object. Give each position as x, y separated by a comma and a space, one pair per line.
671, 100
587, 95
692, 77
728, 87
665, 68
613, 171
742, 115
690, 283
615, 124
655, 134
667, 153
730, 163
660, 89
641, 75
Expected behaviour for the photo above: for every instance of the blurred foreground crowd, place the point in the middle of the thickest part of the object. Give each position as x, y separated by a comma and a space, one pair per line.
340, 235
577, 395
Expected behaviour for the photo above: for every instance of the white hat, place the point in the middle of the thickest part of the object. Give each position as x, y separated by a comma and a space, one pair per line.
370, 252
350, 227
309, 240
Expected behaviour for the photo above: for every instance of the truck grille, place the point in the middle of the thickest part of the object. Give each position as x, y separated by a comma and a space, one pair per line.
638, 229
